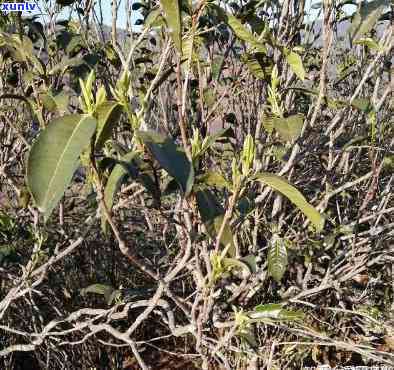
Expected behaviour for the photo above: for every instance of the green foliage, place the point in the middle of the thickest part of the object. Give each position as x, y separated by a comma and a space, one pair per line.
277, 258
222, 266
367, 16
274, 97
53, 158
213, 179
275, 311
171, 157
154, 19
7, 225
201, 146
108, 114
173, 18
8, 253
109, 292
21, 50
244, 34
241, 30
233, 263
216, 64
66, 64
212, 215
362, 104
197, 230
285, 188
258, 65
295, 63
56, 102
122, 169
87, 100
289, 128
248, 155
369, 42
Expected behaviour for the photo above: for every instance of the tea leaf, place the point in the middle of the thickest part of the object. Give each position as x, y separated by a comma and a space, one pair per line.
295, 63
284, 187
173, 19
108, 114
289, 128
213, 178
212, 214
121, 170
366, 18
277, 258
171, 157
244, 34
107, 291
274, 311
53, 158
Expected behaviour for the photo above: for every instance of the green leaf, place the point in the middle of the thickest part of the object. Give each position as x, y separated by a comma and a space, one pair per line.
363, 104
290, 315
190, 50
58, 102
212, 214
209, 97
210, 140
372, 120
21, 50
284, 187
171, 157
173, 18
254, 67
279, 151
114, 295
268, 122
187, 50
66, 63
108, 115
76, 41
8, 253
154, 19
237, 263
245, 206
275, 311
123, 169
388, 163
369, 42
277, 258
215, 67
257, 65
97, 289
249, 337
53, 158
250, 260
270, 310
241, 31
244, 34
295, 63
248, 154
107, 291
366, 18
213, 178
289, 128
